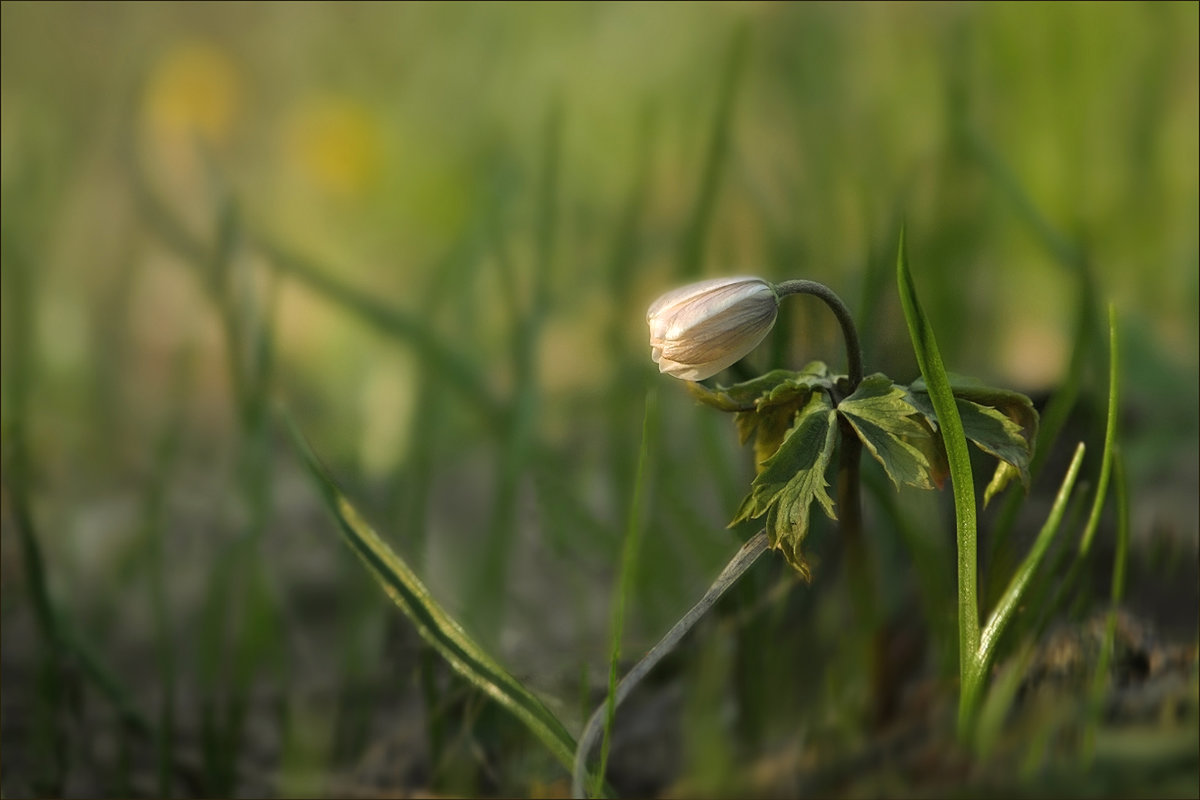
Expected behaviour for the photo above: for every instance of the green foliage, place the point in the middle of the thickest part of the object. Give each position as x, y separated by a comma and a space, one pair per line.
434, 624
461, 329
792, 479
792, 418
889, 424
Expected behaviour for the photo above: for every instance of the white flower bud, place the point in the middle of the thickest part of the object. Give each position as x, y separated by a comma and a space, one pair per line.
698, 330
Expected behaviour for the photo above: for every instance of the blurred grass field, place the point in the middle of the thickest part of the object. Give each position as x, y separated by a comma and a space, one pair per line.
430, 233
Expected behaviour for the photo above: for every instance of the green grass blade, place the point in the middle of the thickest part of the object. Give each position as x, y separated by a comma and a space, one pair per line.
433, 623
625, 581
1110, 434
940, 394
1011, 599
742, 560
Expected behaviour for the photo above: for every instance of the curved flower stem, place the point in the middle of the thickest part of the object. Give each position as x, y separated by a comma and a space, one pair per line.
849, 501
742, 561
849, 332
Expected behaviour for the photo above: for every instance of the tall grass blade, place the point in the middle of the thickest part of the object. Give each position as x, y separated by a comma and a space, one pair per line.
433, 623
938, 383
1110, 434
625, 581
1013, 595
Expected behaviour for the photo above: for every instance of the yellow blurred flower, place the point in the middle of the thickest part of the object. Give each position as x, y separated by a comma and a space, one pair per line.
193, 94
335, 142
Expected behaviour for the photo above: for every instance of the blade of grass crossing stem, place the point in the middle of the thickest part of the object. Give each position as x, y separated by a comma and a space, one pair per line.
1110, 434
629, 563
1013, 595
934, 372
433, 623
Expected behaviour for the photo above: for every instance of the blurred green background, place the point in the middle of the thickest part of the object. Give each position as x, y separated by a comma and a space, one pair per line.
431, 231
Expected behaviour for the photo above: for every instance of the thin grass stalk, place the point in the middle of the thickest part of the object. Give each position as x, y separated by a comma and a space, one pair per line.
1110, 434
630, 552
737, 566
1009, 602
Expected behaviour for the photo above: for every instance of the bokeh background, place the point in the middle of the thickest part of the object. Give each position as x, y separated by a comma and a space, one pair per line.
430, 233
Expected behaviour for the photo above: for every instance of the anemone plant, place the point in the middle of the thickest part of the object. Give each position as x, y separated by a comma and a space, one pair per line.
799, 419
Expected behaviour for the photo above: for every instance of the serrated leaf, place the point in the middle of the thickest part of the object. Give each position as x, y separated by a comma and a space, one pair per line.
888, 425
1013, 405
903, 462
989, 429
793, 478
768, 428
934, 450
777, 387
815, 375
771, 413
741, 396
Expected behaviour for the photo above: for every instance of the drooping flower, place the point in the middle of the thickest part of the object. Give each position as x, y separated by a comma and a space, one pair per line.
700, 329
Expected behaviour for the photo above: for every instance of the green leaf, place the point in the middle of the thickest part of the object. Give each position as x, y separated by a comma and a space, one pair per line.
815, 375
765, 407
435, 626
768, 428
793, 478
991, 430
1014, 405
888, 424
777, 405
773, 388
